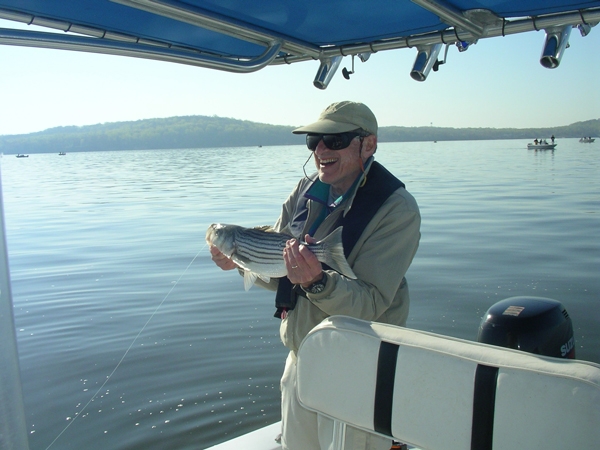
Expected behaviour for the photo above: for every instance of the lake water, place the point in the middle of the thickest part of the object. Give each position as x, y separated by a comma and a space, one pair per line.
130, 337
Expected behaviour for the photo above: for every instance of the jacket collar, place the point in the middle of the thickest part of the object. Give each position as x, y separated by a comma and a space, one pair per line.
319, 191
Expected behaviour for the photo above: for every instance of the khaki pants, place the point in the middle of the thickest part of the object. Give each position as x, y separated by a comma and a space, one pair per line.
305, 430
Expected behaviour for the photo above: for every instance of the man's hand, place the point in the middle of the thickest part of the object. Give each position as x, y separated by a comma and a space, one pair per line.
221, 260
302, 265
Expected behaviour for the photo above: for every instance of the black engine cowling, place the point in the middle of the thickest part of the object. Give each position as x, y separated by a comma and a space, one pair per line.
533, 324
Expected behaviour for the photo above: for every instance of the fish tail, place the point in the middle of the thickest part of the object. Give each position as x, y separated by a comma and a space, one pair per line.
333, 253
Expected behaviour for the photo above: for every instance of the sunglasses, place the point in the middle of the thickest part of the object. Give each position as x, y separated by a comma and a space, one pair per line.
338, 141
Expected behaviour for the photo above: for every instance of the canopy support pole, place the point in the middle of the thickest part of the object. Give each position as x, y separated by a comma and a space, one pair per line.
13, 428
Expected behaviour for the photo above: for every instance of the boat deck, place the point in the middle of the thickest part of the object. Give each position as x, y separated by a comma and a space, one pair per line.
261, 439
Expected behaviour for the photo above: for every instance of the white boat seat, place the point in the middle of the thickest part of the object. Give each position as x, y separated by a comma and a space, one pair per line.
440, 393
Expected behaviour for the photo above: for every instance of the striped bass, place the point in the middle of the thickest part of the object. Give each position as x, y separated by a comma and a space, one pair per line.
259, 251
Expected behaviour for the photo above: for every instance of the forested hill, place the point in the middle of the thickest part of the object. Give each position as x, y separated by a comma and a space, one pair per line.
173, 132
206, 132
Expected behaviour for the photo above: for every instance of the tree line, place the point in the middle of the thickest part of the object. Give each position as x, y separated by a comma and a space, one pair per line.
210, 132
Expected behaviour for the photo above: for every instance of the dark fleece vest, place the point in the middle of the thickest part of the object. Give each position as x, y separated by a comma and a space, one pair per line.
379, 186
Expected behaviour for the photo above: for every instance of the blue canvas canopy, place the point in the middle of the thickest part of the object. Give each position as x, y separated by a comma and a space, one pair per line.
242, 36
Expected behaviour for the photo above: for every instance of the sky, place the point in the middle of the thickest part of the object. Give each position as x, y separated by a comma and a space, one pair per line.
497, 83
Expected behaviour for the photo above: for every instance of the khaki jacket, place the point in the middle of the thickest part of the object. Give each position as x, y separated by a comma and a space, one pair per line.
380, 259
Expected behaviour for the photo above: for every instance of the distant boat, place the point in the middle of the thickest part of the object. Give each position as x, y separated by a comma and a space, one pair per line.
587, 140
541, 146
22, 156
62, 154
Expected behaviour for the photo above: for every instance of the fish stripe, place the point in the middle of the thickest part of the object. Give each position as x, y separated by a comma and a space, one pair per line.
252, 241
260, 246
270, 245
259, 257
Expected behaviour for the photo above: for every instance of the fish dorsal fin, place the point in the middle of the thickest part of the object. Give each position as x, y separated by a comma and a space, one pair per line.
287, 230
269, 229
265, 228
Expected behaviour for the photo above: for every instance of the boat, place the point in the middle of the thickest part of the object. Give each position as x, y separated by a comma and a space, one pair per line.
241, 37
541, 146
463, 405
62, 154
20, 155
587, 140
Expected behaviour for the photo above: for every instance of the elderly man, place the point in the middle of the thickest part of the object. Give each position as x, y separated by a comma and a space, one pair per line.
381, 232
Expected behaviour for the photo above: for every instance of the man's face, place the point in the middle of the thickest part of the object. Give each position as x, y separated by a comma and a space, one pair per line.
339, 168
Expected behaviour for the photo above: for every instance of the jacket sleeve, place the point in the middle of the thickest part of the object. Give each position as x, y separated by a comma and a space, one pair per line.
380, 260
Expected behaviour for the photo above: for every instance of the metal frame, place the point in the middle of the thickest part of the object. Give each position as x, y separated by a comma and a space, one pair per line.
451, 16
452, 35
139, 49
469, 26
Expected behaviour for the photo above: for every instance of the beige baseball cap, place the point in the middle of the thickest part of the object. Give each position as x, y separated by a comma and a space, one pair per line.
341, 117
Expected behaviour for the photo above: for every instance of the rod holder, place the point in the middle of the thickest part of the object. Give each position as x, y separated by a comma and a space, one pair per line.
426, 58
327, 70
556, 42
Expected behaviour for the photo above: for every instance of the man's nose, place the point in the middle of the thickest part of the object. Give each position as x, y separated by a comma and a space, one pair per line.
320, 147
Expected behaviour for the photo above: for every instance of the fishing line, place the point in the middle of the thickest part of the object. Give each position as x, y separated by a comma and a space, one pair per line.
127, 351
304, 168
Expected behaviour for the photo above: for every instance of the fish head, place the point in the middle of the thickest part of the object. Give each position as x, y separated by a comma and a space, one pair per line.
222, 236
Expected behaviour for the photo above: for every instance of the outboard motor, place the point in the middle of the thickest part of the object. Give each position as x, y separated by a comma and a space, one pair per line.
532, 324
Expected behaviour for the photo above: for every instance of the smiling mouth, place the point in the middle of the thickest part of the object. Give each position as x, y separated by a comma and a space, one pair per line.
327, 162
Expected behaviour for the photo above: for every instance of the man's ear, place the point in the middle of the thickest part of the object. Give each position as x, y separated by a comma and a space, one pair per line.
369, 145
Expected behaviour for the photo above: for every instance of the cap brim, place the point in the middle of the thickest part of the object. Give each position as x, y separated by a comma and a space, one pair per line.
326, 126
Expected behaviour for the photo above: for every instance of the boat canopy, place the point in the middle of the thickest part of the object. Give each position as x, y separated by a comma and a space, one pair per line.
242, 36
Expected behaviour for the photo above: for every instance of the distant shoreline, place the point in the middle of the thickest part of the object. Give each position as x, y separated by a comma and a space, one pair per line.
215, 132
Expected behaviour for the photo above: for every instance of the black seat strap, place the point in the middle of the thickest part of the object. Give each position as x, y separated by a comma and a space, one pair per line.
384, 388
484, 402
